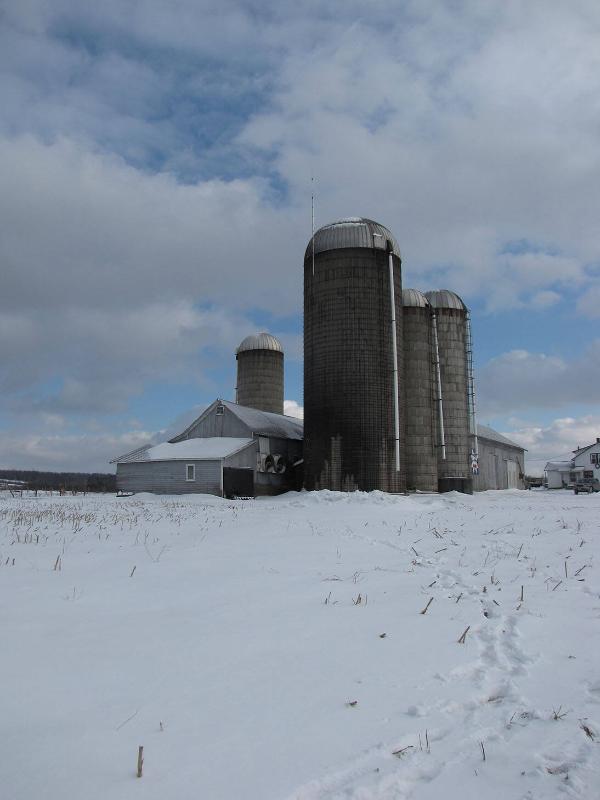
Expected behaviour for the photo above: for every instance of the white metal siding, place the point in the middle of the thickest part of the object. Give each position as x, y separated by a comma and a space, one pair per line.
169, 477
512, 474
499, 466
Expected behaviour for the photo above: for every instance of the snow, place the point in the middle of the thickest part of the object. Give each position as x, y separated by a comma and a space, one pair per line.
197, 449
275, 649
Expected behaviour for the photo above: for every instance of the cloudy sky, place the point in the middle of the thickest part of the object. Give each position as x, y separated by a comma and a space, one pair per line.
156, 161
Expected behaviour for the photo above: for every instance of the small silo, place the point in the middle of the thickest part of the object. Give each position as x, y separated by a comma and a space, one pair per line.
420, 397
260, 373
353, 419
450, 338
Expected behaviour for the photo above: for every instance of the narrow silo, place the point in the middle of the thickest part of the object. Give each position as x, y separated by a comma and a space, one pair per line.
260, 373
420, 398
449, 320
353, 419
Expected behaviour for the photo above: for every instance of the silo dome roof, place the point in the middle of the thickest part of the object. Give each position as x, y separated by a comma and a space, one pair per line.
260, 341
414, 298
352, 232
444, 298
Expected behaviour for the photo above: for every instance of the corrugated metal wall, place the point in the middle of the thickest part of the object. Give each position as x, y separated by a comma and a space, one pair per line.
348, 389
245, 457
168, 477
493, 472
421, 429
225, 424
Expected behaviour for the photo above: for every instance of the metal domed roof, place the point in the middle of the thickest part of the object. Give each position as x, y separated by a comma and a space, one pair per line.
260, 341
352, 232
414, 298
444, 298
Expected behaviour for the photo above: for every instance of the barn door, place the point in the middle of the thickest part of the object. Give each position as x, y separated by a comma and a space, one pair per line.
512, 469
238, 482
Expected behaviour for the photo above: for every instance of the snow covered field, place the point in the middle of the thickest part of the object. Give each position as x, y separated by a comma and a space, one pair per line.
278, 649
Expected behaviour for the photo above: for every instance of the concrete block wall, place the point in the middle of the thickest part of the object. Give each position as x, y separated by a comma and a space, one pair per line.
260, 380
451, 325
348, 371
420, 453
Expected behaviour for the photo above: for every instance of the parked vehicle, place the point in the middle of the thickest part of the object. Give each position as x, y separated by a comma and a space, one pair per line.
590, 485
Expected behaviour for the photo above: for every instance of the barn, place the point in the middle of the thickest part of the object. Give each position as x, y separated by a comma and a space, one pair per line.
501, 462
229, 450
208, 466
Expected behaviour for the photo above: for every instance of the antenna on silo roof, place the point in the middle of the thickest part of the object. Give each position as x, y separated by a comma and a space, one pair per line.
312, 211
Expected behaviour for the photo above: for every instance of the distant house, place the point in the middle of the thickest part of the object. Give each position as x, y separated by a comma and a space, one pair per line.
584, 464
229, 450
501, 462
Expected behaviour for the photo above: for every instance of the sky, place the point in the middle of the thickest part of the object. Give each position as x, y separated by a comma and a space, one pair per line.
157, 163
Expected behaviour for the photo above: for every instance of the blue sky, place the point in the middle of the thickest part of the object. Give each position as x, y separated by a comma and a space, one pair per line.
157, 162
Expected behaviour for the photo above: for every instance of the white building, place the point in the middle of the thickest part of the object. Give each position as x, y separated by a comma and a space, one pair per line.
501, 462
584, 465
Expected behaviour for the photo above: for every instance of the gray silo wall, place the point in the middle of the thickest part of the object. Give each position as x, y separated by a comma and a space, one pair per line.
348, 377
419, 401
260, 380
454, 472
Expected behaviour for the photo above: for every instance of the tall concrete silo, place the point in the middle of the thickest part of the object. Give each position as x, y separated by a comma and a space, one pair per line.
353, 418
451, 337
420, 393
260, 373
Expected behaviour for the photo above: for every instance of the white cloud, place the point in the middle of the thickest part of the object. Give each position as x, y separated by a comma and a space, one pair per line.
589, 303
555, 441
80, 228
105, 355
519, 380
545, 299
293, 409
469, 129
453, 132
67, 452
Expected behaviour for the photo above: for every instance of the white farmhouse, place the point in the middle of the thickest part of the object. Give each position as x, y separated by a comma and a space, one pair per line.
584, 465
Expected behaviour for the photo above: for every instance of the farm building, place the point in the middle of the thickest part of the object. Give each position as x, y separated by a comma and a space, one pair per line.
389, 393
584, 465
229, 450
501, 462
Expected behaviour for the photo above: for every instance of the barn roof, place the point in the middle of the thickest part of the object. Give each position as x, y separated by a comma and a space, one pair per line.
267, 423
485, 432
190, 449
262, 423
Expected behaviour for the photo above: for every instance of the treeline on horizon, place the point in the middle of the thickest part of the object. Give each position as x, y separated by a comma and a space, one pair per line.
69, 481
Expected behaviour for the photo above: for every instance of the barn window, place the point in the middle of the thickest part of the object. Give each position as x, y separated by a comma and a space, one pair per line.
220, 410
190, 472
